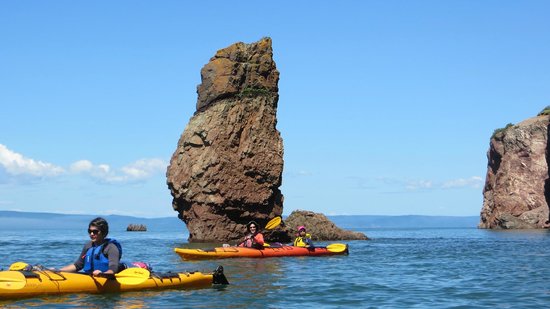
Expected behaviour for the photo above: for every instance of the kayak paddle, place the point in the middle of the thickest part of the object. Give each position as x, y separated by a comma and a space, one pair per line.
337, 248
12, 280
273, 223
132, 276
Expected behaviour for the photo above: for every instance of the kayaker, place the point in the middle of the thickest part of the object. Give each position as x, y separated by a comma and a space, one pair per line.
100, 255
253, 238
303, 239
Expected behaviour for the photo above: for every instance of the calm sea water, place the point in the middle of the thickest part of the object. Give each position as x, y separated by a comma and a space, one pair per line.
398, 268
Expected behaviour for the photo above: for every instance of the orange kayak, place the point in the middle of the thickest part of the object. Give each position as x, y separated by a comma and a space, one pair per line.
236, 252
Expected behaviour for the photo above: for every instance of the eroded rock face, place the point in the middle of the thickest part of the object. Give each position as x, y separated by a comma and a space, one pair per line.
516, 192
227, 168
319, 226
239, 70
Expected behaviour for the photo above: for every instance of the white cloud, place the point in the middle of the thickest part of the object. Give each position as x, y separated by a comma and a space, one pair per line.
474, 182
136, 171
145, 168
418, 184
104, 168
81, 166
17, 165
100, 171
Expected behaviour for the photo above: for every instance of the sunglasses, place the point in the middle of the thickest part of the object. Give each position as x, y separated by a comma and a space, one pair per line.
252, 227
93, 232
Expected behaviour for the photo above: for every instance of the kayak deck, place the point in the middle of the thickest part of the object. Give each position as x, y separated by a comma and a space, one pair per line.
236, 252
47, 282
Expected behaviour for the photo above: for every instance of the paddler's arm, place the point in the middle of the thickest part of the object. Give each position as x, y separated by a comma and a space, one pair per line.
69, 268
259, 239
242, 243
113, 255
79, 263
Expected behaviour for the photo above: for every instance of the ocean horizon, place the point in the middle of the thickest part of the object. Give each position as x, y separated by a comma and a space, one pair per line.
46, 220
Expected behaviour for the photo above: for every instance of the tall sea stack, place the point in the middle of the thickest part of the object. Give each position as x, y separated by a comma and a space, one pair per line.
227, 168
517, 187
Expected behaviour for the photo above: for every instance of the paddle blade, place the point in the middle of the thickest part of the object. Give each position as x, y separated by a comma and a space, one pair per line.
337, 248
12, 280
20, 266
273, 223
133, 276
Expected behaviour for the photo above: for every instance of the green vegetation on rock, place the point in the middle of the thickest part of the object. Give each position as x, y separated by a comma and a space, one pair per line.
502, 129
545, 111
253, 92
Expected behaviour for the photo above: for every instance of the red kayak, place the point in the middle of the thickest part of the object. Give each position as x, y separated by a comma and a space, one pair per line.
235, 252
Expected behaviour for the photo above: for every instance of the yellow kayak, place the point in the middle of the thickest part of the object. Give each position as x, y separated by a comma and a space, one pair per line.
18, 284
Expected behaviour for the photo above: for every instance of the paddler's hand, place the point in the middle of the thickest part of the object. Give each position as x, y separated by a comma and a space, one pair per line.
107, 274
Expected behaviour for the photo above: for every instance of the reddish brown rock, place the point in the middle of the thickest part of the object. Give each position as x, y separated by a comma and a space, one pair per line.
319, 226
239, 70
516, 189
136, 228
227, 167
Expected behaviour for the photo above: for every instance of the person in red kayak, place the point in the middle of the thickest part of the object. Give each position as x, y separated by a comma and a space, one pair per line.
303, 239
253, 238
100, 254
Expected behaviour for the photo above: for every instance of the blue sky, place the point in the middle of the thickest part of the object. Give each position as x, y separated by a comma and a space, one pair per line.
386, 107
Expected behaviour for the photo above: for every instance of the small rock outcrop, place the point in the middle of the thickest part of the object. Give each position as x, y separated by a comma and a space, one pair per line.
319, 226
517, 186
136, 228
227, 167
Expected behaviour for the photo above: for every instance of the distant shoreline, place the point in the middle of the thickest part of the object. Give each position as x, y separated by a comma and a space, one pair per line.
44, 220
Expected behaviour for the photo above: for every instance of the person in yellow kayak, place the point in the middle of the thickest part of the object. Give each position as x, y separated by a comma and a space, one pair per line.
303, 239
253, 238
101, 255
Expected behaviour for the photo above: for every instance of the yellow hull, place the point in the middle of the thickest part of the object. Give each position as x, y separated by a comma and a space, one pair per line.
49, 282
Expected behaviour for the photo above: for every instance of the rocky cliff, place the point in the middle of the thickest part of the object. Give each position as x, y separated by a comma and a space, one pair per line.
319, 226
227, 167
517, 189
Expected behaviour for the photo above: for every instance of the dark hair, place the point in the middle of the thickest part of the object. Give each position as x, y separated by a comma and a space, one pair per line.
250, 223
101, 224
